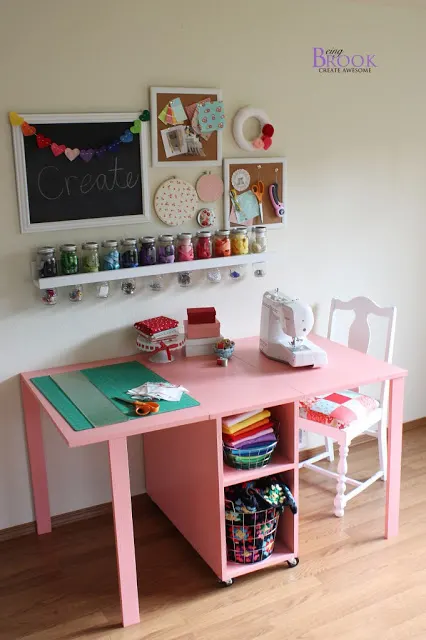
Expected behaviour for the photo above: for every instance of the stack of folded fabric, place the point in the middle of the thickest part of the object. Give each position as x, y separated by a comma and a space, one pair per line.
249, 439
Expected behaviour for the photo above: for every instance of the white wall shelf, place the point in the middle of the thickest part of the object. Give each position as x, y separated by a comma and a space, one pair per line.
141, 272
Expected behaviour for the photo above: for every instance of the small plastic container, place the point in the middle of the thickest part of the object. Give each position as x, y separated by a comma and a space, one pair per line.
204, 245
49, 297
110, 255
75, 293
239, 241
166, 250
222, 243
90, 261
148, 252
129, 254
46, 262
185, 248
259, 242
68, 259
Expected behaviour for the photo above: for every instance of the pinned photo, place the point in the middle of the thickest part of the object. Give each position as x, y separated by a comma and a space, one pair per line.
174, 141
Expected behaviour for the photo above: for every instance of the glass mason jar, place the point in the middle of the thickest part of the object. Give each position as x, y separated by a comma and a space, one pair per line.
46, 262
148, 252
222, 243
259, 241
90, 261
239, 241
69, 259
110, 255
166, 250
129, 253
204, 245
185, 248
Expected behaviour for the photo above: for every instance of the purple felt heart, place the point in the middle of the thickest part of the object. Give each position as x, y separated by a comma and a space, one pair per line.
101, 151
113, 147
86, 154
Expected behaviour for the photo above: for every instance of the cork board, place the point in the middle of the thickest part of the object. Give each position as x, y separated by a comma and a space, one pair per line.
212, 147
268, 170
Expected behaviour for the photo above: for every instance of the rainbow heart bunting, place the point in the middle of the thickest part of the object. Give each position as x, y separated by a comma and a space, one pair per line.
15, 119
57, 149
137, 126
145, 116
99, 153
42, 141
72, 154
127, 136
27, 129
113, 147
86, 154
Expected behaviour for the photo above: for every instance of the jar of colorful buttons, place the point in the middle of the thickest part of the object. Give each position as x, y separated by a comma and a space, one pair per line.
69, 259
148, 252
239, 241
185, 248
222, 243
46, 262
166, 250
204, 245
129, 253
259, 242
110, 255
90, 261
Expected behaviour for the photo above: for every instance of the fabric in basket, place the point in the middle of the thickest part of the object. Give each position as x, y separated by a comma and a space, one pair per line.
338, 409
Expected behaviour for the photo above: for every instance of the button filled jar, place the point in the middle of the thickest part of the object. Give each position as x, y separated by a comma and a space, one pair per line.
222, 243
204, 245
259, 241
110, 255
148, 252
239, 241
90, 261
46, 262
129, 253
185, 248
166, 250
68, 259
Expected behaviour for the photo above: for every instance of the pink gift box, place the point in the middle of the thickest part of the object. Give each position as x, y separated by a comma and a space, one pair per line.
208, 330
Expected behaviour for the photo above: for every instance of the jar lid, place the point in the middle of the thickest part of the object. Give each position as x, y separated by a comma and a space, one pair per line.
147, 239
129, 241
238, 230
204, 234
259, 229
90, 245
45, 250
110, 244
166, 238
223, 232
68, 247
185, 235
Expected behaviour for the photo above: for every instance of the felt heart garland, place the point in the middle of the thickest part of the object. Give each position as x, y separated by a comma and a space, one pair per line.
85, 154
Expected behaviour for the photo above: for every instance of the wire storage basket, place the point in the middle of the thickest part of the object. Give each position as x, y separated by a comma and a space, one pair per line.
252, 457
250, 537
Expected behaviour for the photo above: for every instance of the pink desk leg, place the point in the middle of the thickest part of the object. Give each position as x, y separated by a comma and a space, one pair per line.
37, 459
393, 485
123, 523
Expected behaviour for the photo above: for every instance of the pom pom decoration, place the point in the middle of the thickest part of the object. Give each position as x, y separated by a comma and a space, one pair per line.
262, 141
266, 142
268, 130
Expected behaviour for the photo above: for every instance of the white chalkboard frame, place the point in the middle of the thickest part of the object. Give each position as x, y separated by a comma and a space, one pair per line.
64, 118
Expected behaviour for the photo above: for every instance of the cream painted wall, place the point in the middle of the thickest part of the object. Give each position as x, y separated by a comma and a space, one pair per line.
356, 148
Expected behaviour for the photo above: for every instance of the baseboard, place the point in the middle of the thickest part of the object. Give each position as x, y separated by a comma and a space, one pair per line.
106, 508
65, 518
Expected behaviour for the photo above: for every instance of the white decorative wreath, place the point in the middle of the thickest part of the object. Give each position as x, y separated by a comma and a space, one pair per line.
264, 140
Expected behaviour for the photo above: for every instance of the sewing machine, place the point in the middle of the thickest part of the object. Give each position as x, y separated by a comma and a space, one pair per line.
285, 324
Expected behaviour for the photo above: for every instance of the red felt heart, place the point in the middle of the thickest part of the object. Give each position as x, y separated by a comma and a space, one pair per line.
27, 129
57, 149
43, 142
266, 142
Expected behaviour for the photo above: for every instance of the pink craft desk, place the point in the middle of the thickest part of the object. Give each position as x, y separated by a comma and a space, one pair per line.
183, 449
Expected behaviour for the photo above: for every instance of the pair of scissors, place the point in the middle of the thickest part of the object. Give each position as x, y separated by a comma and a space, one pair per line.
258, 189
141, 408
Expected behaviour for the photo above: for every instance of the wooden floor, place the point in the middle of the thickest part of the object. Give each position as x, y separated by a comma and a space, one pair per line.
350, 583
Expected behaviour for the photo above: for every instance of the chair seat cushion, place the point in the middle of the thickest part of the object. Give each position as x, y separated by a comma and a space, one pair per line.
338, 409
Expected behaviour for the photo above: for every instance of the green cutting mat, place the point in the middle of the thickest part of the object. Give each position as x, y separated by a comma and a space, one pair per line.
112, 380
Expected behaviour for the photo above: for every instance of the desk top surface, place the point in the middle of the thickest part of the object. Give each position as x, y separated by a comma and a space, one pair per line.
251, 380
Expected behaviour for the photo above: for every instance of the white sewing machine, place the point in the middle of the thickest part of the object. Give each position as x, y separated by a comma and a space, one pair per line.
285, 323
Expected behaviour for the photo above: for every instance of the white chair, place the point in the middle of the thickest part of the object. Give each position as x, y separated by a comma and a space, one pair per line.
342, 416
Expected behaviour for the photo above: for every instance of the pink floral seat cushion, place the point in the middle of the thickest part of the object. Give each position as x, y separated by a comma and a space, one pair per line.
338, 409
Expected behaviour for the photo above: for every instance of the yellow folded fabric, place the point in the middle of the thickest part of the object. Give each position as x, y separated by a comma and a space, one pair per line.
246, 423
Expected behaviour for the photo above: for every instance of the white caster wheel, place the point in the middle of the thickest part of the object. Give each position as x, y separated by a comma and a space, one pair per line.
226, 583
293, 563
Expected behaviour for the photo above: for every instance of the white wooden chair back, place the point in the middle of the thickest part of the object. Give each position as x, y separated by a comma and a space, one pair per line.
359, 334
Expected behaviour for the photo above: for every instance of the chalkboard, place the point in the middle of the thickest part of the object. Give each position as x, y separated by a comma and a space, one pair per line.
56, 193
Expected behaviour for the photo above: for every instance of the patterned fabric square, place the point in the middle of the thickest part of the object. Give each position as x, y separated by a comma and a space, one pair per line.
338, 409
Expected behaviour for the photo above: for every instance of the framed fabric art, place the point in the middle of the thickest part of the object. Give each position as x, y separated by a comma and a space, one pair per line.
186, 126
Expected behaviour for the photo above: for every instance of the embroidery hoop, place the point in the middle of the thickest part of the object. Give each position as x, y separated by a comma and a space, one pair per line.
240, 118
171, 212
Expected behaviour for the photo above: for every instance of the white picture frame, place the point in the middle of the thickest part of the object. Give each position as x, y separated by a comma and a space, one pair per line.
179, 91
229, 162
64, 118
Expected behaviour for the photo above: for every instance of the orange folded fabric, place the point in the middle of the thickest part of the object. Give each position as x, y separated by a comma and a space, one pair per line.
247, 430
263, 424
